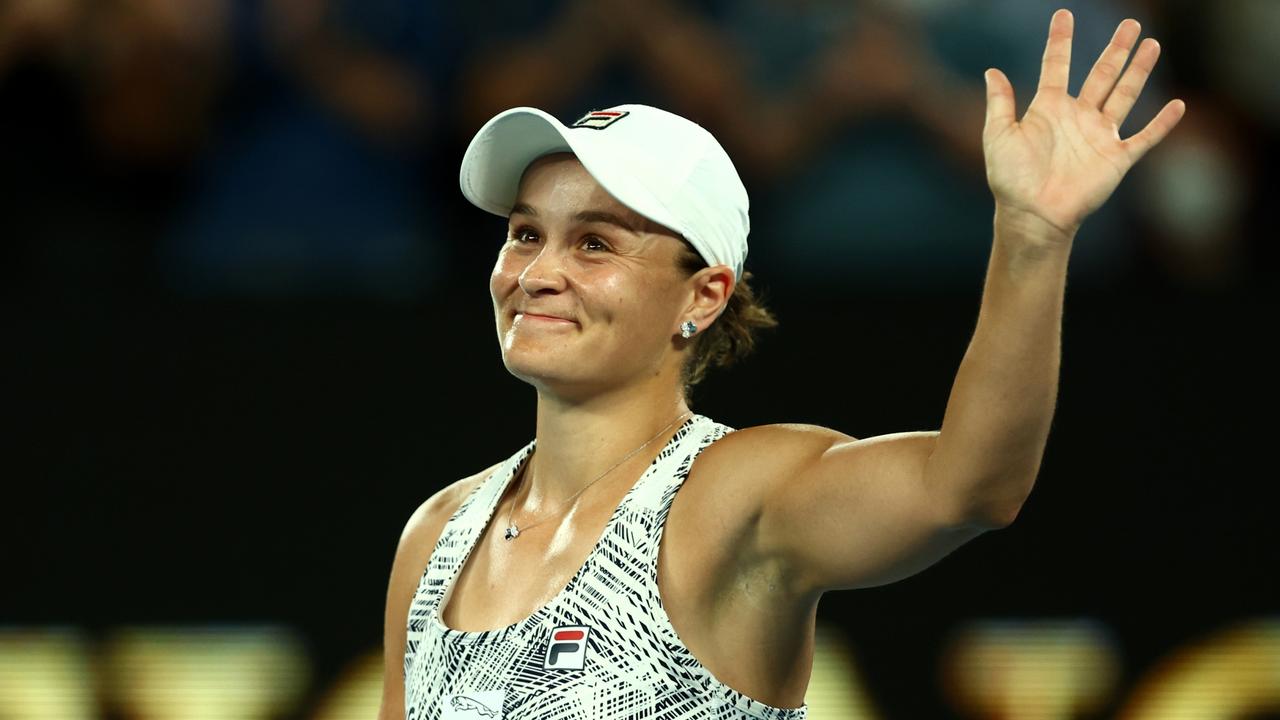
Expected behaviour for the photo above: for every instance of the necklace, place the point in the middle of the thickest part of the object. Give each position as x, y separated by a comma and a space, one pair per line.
513, 532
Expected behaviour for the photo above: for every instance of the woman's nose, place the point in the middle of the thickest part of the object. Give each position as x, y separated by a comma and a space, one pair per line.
544, 271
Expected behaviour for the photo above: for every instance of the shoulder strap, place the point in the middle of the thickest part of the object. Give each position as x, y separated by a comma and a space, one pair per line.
653, 495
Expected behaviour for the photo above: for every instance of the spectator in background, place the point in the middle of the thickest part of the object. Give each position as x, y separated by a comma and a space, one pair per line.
155, 72
41, 29
105, 103
1241, 40
563, 56
1201, 197
43, 143
1193, 200
316, 125
315, 179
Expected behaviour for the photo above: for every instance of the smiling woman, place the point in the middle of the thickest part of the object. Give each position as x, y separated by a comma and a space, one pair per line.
649, 567
619, 284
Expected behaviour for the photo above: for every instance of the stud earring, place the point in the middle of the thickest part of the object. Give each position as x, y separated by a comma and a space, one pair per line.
688, 328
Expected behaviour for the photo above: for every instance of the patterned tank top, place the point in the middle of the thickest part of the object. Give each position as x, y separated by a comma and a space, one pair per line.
602, 649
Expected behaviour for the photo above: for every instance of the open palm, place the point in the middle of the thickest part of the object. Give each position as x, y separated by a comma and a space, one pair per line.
1065, 157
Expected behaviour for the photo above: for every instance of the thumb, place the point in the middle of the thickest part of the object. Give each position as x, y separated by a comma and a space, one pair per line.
1001, 106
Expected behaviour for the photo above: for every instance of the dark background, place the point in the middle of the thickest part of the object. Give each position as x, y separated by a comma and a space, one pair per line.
250, 328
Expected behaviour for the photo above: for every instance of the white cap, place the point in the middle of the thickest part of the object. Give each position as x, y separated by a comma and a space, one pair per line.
663, 166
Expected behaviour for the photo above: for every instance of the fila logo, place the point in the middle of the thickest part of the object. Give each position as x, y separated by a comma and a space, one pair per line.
567, 649
599, 119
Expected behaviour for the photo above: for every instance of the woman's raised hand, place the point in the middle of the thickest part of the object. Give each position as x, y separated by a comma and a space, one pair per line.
1065, 157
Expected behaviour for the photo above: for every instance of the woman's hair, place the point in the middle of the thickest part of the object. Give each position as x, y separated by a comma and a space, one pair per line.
732, 336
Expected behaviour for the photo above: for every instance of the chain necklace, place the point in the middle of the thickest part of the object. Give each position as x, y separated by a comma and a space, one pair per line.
513, 532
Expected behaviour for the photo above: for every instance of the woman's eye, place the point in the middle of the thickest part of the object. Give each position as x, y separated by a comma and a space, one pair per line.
592, 239
521, 233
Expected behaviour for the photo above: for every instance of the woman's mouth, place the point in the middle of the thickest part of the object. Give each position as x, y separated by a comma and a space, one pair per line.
531, 317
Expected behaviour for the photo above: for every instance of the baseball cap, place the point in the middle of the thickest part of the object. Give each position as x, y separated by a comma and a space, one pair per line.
661, 165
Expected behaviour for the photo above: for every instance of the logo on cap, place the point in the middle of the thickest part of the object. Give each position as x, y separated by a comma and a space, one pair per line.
600, 119
568, 648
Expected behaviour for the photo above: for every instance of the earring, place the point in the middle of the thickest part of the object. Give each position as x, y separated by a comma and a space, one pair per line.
688, 328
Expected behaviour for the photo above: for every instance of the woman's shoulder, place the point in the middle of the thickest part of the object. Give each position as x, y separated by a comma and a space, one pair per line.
752, 462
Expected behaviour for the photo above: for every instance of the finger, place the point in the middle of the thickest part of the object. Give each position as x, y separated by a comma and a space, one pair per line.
1002, 109
1156, 130
1055, 70
1106, 71
1126, 92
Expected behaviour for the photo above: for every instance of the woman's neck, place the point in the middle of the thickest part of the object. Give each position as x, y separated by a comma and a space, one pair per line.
576, 442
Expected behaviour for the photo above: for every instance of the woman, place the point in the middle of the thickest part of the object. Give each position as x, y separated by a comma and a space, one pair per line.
637, 559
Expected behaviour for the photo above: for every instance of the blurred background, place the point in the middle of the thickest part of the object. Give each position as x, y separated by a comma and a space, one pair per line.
250, 331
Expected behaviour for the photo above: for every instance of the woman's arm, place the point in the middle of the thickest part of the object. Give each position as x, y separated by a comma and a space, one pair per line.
845, 512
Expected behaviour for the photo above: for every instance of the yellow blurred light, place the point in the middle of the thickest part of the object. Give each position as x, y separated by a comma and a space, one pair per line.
45, 673
1234, 674
1020, 670
1029, 670
205, 673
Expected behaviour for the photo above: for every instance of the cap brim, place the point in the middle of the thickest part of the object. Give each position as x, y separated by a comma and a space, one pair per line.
502, 149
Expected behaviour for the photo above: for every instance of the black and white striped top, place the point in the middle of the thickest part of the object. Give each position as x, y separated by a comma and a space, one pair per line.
602, 649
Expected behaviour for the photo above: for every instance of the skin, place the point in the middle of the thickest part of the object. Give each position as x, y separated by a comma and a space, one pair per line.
773, 516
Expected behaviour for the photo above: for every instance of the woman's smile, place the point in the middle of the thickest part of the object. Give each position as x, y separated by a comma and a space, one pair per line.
543, 319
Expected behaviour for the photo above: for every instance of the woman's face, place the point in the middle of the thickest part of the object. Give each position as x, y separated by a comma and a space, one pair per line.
606, 274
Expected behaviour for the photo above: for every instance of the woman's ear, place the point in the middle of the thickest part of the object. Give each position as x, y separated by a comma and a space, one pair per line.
712, 288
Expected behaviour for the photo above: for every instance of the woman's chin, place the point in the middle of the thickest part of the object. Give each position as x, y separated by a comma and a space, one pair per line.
534, 367
547, 372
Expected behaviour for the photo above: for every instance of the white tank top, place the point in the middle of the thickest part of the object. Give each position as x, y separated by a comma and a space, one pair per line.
602, 649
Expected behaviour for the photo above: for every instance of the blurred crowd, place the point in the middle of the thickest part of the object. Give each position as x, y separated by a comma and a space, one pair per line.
301, 148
